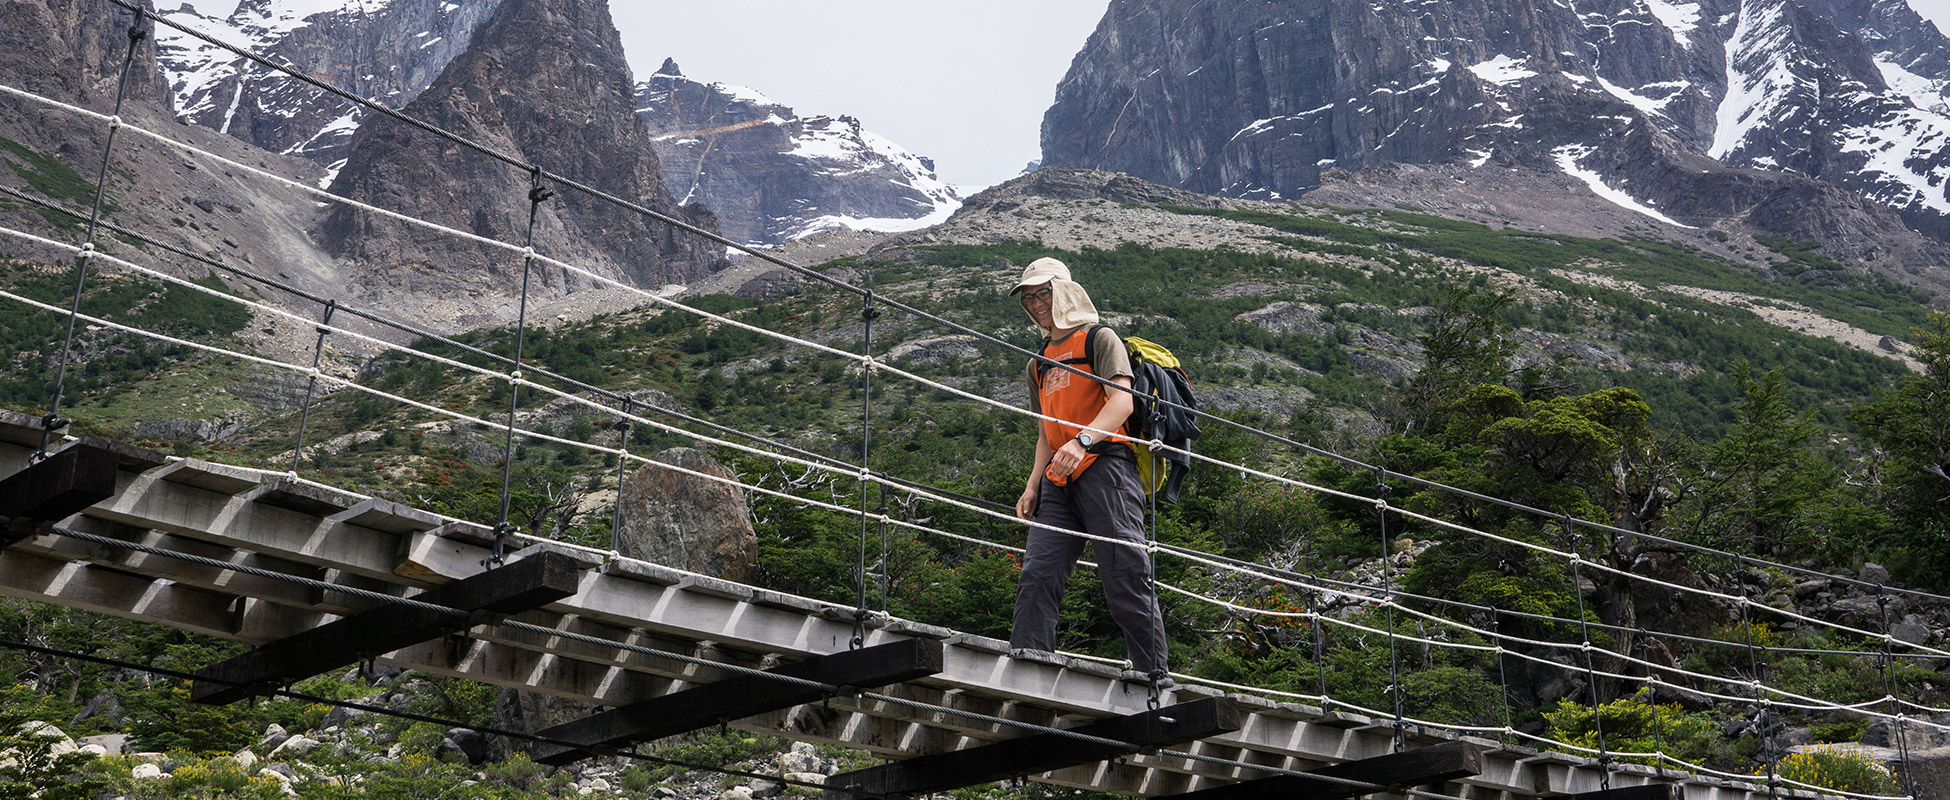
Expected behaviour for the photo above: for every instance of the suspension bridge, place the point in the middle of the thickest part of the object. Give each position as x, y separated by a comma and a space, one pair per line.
315, 577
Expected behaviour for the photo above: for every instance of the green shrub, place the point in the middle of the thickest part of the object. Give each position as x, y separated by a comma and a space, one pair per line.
1635, 725
1837, 767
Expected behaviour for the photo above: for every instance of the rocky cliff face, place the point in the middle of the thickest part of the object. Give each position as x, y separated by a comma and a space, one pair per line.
545, 81
773, 176
73, 50
385, 50
1258, 99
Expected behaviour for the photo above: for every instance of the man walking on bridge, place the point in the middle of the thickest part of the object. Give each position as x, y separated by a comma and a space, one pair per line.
1082, 480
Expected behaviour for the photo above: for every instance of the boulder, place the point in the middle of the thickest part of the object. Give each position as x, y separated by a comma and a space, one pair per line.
736, 793
295, 747
102, 705
467, 742
148, 772
684, 521
244, 758
111, 743
937, 350
1930, 771
1914, 628
803, 757
274, 735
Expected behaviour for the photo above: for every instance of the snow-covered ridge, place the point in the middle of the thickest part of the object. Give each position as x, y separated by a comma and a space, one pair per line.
773, 175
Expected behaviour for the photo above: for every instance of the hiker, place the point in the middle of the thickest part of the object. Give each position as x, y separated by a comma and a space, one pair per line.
1082, 481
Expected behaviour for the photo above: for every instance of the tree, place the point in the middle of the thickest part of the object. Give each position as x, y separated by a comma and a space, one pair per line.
1911, 427
1762, 488
1468, 344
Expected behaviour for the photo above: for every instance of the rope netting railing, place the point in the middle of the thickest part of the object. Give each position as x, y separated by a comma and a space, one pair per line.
516, 379
1324, 699
541, 173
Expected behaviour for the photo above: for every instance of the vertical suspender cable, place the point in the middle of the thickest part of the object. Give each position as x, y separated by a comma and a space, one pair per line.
52, 420
867, 315
1320, 639
1502, 673
1763, 720
1901, 723
536, 194
622, 428
1590, 672
311, 384
1381, 491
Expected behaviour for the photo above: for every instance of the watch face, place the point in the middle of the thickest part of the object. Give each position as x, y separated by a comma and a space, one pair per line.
1084, 438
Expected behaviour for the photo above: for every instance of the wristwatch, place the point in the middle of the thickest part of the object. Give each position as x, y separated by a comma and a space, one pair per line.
1083, 438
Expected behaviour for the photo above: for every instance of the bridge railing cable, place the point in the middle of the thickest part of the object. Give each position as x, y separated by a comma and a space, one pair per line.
478, 421
206, 347
679, 224
1384, 507
919, 379
706, 476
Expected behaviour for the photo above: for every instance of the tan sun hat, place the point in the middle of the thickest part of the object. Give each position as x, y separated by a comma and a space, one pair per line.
1041, 271
1069, 304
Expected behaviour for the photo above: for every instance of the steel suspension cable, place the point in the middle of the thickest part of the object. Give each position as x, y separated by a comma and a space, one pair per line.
52, 420
475, 420
921, 314
537, 194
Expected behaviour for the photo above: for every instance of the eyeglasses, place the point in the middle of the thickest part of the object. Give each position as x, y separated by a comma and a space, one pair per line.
1041, 297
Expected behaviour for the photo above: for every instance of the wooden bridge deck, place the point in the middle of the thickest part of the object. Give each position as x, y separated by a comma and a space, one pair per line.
265, 520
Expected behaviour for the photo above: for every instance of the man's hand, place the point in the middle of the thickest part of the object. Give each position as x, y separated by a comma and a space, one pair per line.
1026, 504
1066, 458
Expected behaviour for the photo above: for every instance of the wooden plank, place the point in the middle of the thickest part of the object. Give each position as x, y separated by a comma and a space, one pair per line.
738, 697
1039, 752
518, 586
1650, 791
1442, 762
58, 487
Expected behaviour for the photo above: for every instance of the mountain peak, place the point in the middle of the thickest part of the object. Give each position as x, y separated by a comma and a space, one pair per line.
670, 68
560, 98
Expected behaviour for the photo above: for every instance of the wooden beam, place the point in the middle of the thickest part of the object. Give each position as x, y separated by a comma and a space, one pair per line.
522, 585
1040, 752
1650, 791
54, 489
1442, 762
738, 697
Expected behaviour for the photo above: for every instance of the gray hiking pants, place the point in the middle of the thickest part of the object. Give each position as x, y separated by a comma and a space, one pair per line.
1105, 501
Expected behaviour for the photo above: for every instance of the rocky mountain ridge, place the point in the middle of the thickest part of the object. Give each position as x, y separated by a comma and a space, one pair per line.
543, 81
769, 174
386, 51
1260, 100
772, 175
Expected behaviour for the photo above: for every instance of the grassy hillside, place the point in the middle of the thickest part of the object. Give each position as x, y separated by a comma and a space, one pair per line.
1580, 376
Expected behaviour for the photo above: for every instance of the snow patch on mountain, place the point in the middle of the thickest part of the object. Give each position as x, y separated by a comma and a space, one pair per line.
1895, 146
1567, 157
1680, 18
1759, 76
1502, 69
1926, 93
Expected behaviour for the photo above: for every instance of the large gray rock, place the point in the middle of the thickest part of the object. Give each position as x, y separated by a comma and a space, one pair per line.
688, 522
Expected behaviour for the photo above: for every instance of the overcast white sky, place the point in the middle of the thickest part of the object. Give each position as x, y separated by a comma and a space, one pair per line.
964, 83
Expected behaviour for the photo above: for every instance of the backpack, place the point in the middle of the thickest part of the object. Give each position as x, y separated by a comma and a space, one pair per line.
1157, 378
